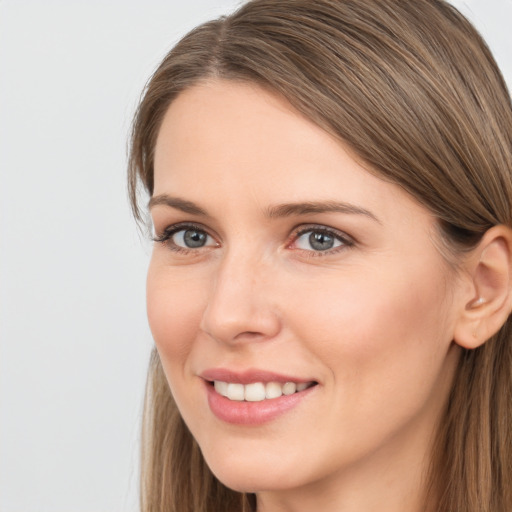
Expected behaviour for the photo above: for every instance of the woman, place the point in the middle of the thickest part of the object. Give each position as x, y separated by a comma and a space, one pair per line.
329, 290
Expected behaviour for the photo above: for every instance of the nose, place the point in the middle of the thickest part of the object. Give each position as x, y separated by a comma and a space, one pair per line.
242, 303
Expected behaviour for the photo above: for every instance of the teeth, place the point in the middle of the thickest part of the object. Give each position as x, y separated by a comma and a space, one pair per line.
221, 387
258, 391
273, 390
255, 392
289, 388
235, 391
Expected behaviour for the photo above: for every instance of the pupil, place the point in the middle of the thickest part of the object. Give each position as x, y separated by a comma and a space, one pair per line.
321, 241
194, 239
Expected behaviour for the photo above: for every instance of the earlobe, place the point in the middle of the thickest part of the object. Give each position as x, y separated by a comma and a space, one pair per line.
488, 302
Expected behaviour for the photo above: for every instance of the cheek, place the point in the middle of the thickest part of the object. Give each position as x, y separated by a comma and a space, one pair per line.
385, 330
174, 308
384, 344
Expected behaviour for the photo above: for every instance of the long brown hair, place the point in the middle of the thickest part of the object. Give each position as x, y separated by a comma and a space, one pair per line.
413, 90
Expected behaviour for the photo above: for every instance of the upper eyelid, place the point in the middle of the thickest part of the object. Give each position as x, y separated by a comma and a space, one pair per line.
300, 230
179, 226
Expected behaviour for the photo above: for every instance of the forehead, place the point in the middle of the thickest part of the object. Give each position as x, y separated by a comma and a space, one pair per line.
229, 144
237, 124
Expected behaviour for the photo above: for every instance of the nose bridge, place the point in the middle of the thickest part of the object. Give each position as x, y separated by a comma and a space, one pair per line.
236, 278
238, 304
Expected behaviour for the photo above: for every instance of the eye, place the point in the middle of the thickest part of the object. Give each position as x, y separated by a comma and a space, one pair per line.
320, 240
191, 238
184, 238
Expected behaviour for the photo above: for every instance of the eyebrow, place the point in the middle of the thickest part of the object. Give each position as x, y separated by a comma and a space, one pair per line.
177, 203
287, 210
273, 212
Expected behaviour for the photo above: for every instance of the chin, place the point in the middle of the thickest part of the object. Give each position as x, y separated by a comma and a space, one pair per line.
251, 474
251, 481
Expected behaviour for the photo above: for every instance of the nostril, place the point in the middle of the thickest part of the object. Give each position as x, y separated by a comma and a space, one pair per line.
249, 334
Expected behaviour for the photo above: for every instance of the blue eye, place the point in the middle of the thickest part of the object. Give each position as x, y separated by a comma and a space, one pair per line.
191, 238
319, 240
183, 238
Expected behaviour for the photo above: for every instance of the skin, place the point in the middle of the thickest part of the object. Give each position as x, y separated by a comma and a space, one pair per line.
371, 320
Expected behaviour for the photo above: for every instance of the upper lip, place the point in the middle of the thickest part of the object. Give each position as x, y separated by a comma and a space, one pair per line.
248, 376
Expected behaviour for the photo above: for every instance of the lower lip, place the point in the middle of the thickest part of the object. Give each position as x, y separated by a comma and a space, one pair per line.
252, 413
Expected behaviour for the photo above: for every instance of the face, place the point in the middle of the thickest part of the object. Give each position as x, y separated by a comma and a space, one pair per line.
301, 309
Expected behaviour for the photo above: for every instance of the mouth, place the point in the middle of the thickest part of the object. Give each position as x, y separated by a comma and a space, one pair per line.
258, 391
254, 396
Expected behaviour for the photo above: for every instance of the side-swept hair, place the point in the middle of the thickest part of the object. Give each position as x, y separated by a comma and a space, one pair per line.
413, 90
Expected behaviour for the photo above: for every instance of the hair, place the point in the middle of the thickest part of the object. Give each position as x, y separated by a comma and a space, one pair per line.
412, 89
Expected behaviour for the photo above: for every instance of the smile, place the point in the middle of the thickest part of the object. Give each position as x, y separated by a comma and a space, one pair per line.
254, 396
258, 391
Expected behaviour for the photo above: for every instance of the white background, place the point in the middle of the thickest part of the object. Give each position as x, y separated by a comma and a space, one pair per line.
74, 341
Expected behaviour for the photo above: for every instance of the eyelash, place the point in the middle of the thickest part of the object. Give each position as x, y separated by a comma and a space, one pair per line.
166, 236
345, 240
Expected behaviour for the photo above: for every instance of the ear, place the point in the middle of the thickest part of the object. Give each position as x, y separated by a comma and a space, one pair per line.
487, 301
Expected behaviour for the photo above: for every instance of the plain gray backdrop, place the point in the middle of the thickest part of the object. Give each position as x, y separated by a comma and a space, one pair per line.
74, 341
